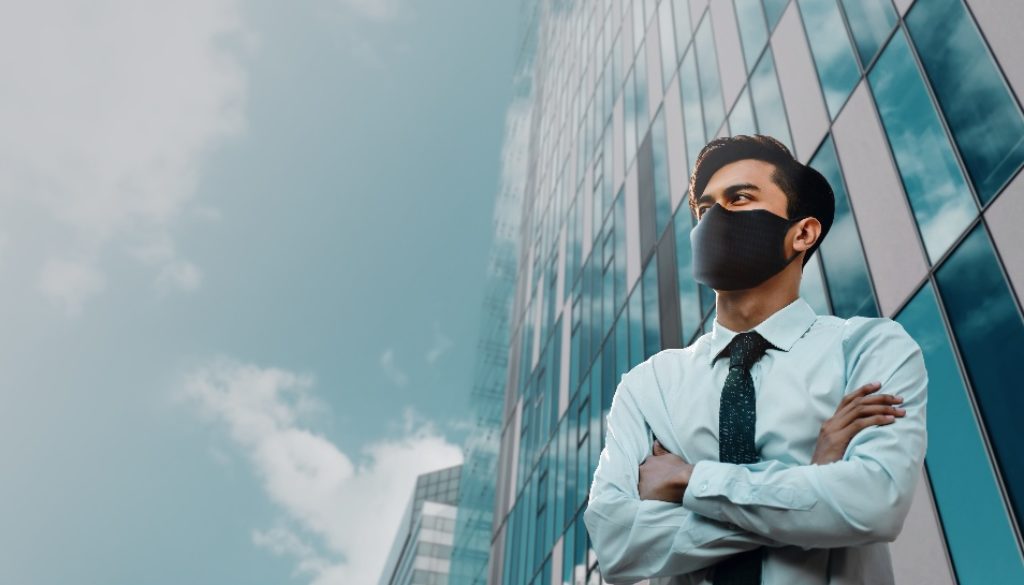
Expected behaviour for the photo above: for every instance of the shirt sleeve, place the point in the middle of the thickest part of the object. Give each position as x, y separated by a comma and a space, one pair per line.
860, 499
636, 539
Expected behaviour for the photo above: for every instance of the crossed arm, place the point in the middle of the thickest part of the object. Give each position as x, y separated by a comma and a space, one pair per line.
730, 508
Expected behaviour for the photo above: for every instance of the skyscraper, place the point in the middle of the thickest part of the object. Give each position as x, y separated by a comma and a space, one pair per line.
422, 549
910, 110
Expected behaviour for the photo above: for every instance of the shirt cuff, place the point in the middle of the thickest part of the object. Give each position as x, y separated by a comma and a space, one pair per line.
706, 480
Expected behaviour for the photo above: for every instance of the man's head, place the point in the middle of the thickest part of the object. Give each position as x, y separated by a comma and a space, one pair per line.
743, 173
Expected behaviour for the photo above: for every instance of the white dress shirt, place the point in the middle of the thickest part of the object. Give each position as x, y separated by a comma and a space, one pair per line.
820, 524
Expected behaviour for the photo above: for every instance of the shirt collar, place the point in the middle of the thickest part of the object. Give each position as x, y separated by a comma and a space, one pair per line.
782, 328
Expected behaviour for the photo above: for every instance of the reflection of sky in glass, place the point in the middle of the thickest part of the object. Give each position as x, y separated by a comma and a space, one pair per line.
871, 21
753, 30
652, 328
764, 88
707, 67
741, 120
845, 268
979, 536
668, 42
693, 120
833, 56
938, 194
689, 300
642, 116
681, 14
773, 11
983, 116
990, 335
662, 198
629, 115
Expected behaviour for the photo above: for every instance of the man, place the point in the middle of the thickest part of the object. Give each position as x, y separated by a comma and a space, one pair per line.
762, 452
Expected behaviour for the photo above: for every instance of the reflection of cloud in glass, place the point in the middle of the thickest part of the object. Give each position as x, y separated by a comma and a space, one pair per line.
841, 251
990, 334
938, 193
983, 117
764, 88
833, 55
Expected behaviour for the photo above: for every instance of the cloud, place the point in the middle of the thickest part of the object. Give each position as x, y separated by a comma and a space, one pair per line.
70, 282
391, 370
339, 518
442, 344
109, 110
378, 10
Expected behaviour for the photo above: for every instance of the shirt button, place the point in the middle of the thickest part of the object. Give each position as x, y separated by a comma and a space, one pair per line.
704, 487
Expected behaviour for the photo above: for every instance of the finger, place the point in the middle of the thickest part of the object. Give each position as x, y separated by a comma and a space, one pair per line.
862, 391
658, 448
845, 435
856, 409
862, 399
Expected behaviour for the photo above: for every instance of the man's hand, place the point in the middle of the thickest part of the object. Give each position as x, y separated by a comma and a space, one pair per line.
664, 476
856, 411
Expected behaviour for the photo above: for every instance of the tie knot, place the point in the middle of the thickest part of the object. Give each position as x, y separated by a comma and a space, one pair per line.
746, 348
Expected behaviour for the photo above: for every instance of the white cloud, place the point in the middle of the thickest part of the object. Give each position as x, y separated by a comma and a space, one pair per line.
340, 517
391, 369
70, 282
109, 109
442, 343
379, 10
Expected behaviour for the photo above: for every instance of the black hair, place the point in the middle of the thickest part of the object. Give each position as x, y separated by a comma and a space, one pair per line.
807, 191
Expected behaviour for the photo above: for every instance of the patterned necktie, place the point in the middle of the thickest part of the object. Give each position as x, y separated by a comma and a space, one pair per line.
737, 416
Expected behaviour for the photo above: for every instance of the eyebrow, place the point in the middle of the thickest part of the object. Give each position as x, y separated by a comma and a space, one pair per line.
728, 190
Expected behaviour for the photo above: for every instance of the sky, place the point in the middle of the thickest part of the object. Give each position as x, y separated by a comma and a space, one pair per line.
243, 247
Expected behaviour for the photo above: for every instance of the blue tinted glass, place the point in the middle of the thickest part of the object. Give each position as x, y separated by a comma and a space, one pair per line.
990, 335
871, 22
979, 536
753, 29
652, 325
641, 95
693, 118
707, 67
764, 89
982, 114
662, 198
938, 193
629, 118
681, 14
833, 55
668, 42
620, 248
846, 270
741, 120
636, 326
689, 300
773, 11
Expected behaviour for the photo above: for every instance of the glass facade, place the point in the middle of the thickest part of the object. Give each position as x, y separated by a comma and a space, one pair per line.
618, 98
422, 551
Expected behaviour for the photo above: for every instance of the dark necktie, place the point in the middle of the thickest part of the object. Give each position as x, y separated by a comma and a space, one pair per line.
737, 416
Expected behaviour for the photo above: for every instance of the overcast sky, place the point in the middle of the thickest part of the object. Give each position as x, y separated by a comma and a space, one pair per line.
242, 254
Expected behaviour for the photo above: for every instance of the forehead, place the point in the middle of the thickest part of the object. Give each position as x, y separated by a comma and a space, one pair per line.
756, 172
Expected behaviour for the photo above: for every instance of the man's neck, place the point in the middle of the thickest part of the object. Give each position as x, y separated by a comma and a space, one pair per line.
742, 310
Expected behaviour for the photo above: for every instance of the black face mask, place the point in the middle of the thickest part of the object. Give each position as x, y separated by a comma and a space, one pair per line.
735, 250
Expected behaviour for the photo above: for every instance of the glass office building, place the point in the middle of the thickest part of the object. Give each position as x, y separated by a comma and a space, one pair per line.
479, 470
911, 110
422, 550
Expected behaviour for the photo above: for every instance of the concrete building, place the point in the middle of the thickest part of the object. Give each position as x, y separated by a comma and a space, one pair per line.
910, 109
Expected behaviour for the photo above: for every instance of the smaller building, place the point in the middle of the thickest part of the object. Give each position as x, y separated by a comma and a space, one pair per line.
422, 550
